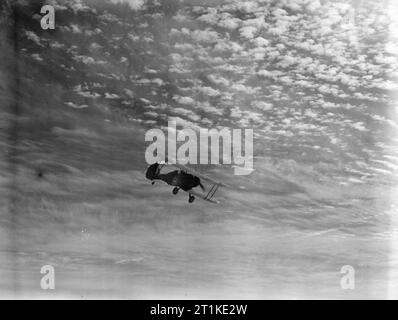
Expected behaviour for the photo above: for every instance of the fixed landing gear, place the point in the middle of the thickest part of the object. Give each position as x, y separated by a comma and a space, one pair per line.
153, 182
175, 190
191, 198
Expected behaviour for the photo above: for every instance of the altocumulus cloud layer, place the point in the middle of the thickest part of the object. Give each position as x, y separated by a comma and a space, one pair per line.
316, 80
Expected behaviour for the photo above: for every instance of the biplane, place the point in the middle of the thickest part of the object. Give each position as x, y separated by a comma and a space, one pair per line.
185, 179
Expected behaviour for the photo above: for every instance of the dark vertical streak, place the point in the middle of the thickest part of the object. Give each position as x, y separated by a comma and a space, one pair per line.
14, 138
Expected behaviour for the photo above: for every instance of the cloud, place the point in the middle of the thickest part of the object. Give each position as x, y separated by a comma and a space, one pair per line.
229, 22
209, 91
184, 100
261, 42
248, 32
134, 4
34, 37
205, 106
111, 96
265, 106
207, 35
186, 113
75, 106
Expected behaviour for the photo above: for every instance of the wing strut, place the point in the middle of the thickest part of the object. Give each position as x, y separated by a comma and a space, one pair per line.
212, 191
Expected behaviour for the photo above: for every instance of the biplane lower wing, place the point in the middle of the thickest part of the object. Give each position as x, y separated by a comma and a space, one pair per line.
203, 196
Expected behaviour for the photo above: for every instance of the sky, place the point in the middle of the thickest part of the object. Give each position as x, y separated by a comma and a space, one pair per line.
315, 80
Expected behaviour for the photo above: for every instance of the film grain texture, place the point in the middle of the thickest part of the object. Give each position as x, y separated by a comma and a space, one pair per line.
316, 81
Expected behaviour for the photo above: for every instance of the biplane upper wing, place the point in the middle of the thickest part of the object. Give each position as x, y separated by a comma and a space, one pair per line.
195, 173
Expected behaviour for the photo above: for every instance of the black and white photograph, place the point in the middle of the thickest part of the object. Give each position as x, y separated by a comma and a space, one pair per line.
198, 150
